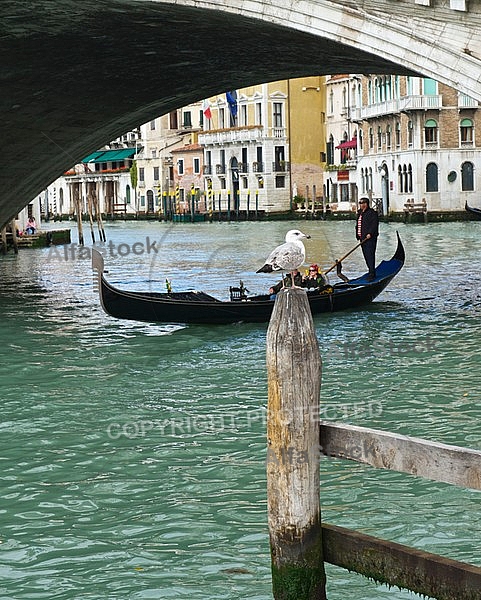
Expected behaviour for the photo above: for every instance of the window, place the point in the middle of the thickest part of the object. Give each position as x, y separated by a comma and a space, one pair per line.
379, 138
467, 177
243, 114
141, 174
330, 150
432, 177
221, 118
371, 138
400, 180
430, 87
410, 134
152, 125
187, 119
466, 132
431, 132
258, 113
173, 122
398, 134
196, 166
156, 173
388, 137
410, 179
277, 114
331, 102
180, 166
280, 181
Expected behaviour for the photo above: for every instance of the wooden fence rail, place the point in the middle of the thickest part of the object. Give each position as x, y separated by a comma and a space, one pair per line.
384, 450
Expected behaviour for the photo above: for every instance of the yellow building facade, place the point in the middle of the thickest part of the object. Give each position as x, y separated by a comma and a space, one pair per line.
266, 144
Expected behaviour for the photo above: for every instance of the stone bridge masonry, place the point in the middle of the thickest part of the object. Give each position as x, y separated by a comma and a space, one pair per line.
75, 75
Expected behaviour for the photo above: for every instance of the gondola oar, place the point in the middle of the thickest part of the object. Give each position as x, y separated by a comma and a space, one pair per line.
338, 264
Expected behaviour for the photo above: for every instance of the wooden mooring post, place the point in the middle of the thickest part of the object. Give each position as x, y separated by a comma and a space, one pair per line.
294, 378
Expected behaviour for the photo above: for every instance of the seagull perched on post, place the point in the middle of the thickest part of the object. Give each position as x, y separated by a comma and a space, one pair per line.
287, 257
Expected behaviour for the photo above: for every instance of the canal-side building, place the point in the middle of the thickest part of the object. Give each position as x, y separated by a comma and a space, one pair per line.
343, 96
102, 178
265, 144
403, 140
157, 172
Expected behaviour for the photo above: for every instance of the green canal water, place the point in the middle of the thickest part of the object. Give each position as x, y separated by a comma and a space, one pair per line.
132, 456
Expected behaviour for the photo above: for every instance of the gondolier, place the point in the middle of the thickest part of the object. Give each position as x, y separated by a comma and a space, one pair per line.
367, 231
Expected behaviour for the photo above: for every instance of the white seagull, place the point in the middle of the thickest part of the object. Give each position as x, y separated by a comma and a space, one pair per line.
288, 256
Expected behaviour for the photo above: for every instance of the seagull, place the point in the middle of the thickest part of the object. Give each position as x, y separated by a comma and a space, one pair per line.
288, 256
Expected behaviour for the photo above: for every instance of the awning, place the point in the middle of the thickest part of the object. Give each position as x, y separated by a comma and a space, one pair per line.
102, 156
349, 144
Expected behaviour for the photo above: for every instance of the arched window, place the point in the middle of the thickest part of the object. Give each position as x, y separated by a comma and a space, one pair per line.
410, 134
360, 140
400, 179
432, 177
410, 179
379, 137
398, 134
405, 179
388, 137
369, 92
331, 102
467, 177
369, 183
431, 132
466, 132
127, 194
371, 138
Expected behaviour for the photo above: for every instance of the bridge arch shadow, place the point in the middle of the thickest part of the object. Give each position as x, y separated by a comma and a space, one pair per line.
76, 75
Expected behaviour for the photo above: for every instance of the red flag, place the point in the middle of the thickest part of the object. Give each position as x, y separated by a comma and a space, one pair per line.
206, 110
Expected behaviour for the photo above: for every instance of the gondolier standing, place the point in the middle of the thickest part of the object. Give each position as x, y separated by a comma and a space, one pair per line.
367, 228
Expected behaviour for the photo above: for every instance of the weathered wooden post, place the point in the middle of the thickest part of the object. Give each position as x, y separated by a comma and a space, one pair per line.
293, 487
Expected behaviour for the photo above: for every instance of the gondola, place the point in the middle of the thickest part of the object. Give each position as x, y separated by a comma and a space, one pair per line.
201, 308
476, 212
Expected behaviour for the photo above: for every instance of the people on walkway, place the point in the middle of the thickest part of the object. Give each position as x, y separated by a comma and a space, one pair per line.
367, 230
31, 227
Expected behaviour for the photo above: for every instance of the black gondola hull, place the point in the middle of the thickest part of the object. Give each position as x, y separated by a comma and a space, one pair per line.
475, 212
200, 308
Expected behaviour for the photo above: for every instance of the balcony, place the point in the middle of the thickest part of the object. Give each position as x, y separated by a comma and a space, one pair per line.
397, 105
258, 167
231, 136
465, 101
243, 167
207, 169
281, 166
220, 169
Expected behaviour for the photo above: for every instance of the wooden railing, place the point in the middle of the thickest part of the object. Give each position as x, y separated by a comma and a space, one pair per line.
392, 563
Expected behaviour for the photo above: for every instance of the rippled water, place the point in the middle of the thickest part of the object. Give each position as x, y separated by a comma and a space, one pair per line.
132, 456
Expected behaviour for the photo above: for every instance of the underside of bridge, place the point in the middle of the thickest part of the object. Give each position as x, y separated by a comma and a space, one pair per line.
75, 75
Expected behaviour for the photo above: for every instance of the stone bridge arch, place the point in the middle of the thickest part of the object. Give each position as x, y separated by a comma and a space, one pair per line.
76, 75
